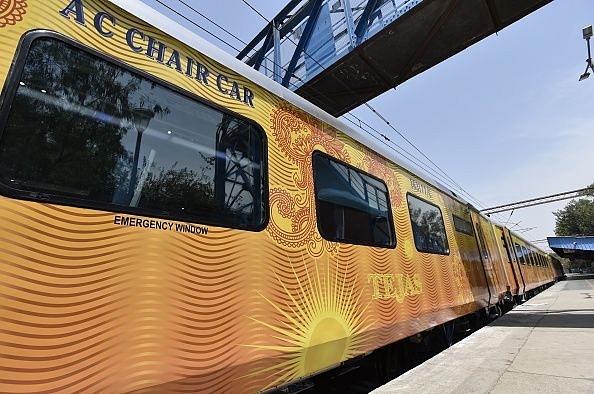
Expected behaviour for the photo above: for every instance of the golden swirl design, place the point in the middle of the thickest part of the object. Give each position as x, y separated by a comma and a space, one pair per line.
89, 306
11, 12
293, 219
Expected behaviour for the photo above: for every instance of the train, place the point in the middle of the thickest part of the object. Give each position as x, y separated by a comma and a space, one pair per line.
172, 220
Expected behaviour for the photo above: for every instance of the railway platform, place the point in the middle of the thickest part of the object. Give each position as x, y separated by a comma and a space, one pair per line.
545, 345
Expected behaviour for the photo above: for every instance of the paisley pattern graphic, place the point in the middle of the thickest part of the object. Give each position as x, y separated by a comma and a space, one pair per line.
293, 219
11, 12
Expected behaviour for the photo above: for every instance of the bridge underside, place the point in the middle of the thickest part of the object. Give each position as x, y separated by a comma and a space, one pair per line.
431, 32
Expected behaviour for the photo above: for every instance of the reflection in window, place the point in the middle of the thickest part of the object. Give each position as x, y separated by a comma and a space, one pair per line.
532, 256
462, 226
427, 225
90, 132
520, 253
352, 206
527, 255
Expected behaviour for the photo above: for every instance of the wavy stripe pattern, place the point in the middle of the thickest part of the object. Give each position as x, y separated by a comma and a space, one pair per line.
90, 306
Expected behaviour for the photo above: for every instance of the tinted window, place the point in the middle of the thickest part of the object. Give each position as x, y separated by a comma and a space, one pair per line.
520, 254
462, 225
529, 256
526, 255
352, 206
86, 131
427, 225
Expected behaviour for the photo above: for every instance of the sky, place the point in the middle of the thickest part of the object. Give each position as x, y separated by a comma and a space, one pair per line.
506, 119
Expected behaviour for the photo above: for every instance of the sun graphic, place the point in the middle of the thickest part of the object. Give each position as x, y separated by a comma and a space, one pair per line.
321, 326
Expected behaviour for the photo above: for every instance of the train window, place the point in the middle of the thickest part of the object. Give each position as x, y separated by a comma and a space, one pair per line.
427, 226
520, 254
352, 207
532, 256
462, 225
86, 131
526, 255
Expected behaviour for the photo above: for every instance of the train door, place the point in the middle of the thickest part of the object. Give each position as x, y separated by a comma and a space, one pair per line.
512, 263
484, 256
469, 254
524, 264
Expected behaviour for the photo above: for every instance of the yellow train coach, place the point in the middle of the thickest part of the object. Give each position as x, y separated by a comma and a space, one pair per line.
171, 220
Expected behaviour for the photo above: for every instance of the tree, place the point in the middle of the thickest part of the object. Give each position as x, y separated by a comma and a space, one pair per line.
577, 218
68, 120
179, 191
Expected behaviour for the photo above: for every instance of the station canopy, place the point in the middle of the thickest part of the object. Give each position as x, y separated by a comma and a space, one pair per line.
573, 247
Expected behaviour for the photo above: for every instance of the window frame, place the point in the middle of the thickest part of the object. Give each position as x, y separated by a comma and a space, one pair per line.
8, 95
445, 232
470, 232
520, 253
389, 215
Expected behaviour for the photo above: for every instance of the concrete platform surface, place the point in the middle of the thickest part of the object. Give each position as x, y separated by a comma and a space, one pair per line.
545, 345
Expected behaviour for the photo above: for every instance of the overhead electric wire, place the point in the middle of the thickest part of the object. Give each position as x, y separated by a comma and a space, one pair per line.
415, 162
256, 11
448, 180
195, 24
406, 155
400, 150
530, 205
212, 34
523, 203
453, 182
418, 150
213, 22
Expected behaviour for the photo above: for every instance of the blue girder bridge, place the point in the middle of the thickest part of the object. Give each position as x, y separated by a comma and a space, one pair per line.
340, 54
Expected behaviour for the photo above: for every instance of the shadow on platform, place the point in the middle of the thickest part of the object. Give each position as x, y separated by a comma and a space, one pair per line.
583, 318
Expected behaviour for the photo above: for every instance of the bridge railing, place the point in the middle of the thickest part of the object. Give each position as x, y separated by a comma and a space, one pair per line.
308, 36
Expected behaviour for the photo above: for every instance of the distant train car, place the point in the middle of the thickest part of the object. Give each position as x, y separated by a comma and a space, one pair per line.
555, 263
527, 267
171, 220
535, 269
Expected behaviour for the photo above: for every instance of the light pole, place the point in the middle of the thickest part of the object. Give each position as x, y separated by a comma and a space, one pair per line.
587, 33
141, 118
